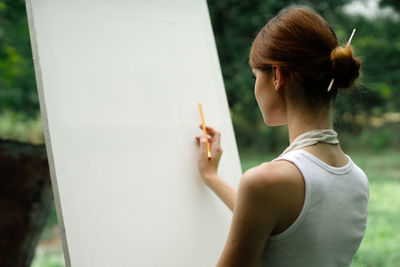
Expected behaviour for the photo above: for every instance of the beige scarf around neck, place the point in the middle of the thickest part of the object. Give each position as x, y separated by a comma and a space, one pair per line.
312, 137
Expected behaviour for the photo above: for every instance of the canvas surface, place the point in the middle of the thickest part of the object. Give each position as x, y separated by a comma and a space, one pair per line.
119, 84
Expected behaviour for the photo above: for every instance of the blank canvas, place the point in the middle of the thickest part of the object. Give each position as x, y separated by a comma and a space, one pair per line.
119, 84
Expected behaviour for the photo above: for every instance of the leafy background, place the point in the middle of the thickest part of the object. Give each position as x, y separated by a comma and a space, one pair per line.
367, 118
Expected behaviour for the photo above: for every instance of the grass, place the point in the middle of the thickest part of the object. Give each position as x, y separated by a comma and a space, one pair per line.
381, 243
54, 258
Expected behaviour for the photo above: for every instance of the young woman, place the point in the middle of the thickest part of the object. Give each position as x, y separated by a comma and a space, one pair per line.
307, 207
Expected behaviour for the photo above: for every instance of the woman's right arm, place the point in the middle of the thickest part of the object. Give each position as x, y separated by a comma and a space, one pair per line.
222, 189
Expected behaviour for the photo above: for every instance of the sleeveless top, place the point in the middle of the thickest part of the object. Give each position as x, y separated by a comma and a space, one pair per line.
332, 222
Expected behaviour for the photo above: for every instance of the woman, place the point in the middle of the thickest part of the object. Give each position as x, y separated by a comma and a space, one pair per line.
307, 207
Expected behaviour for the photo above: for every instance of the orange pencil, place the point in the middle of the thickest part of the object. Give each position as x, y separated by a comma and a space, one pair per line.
204, 130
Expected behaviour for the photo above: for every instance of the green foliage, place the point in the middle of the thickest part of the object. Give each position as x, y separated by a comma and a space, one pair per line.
372, 139
15, 126
17, 80
392, 3
377, 42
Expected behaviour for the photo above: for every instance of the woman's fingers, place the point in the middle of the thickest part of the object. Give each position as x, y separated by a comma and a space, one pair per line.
210, 130
215, 134
198, 140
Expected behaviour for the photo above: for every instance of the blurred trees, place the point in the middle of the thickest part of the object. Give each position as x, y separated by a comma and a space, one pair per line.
235, 24
393, 3
17, 78
377, 42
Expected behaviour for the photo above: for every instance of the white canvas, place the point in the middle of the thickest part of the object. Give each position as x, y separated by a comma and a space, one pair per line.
119, 84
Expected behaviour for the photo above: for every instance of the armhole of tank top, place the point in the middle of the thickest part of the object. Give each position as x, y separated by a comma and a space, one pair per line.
299, 219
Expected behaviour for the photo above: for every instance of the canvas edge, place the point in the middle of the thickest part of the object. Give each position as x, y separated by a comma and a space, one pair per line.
43, 111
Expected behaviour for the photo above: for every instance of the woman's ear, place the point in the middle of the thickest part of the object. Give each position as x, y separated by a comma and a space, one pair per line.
279, 79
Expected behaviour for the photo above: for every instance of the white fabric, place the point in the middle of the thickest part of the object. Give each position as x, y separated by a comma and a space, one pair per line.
312, 137
332, 223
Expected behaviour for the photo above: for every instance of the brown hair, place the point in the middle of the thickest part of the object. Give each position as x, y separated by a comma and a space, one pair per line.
306, 48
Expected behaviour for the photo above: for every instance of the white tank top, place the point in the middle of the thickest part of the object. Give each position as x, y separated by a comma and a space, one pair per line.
332, 222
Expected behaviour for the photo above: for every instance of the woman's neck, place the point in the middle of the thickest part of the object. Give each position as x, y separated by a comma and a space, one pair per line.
303, 120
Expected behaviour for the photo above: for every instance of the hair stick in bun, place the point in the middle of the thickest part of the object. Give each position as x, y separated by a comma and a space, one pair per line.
348, 43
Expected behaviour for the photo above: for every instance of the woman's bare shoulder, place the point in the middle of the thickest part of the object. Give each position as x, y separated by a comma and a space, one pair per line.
281, 187
280, 172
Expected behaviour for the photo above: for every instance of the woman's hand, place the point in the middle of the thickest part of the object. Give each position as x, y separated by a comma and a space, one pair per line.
208, 168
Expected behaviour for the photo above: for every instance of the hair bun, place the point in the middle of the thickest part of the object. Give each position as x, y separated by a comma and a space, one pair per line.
345, 69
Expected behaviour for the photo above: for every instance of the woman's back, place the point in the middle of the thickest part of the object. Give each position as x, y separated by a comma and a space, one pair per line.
332, 222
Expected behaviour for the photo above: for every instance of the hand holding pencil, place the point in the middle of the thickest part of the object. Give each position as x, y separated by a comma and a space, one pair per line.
210, 149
